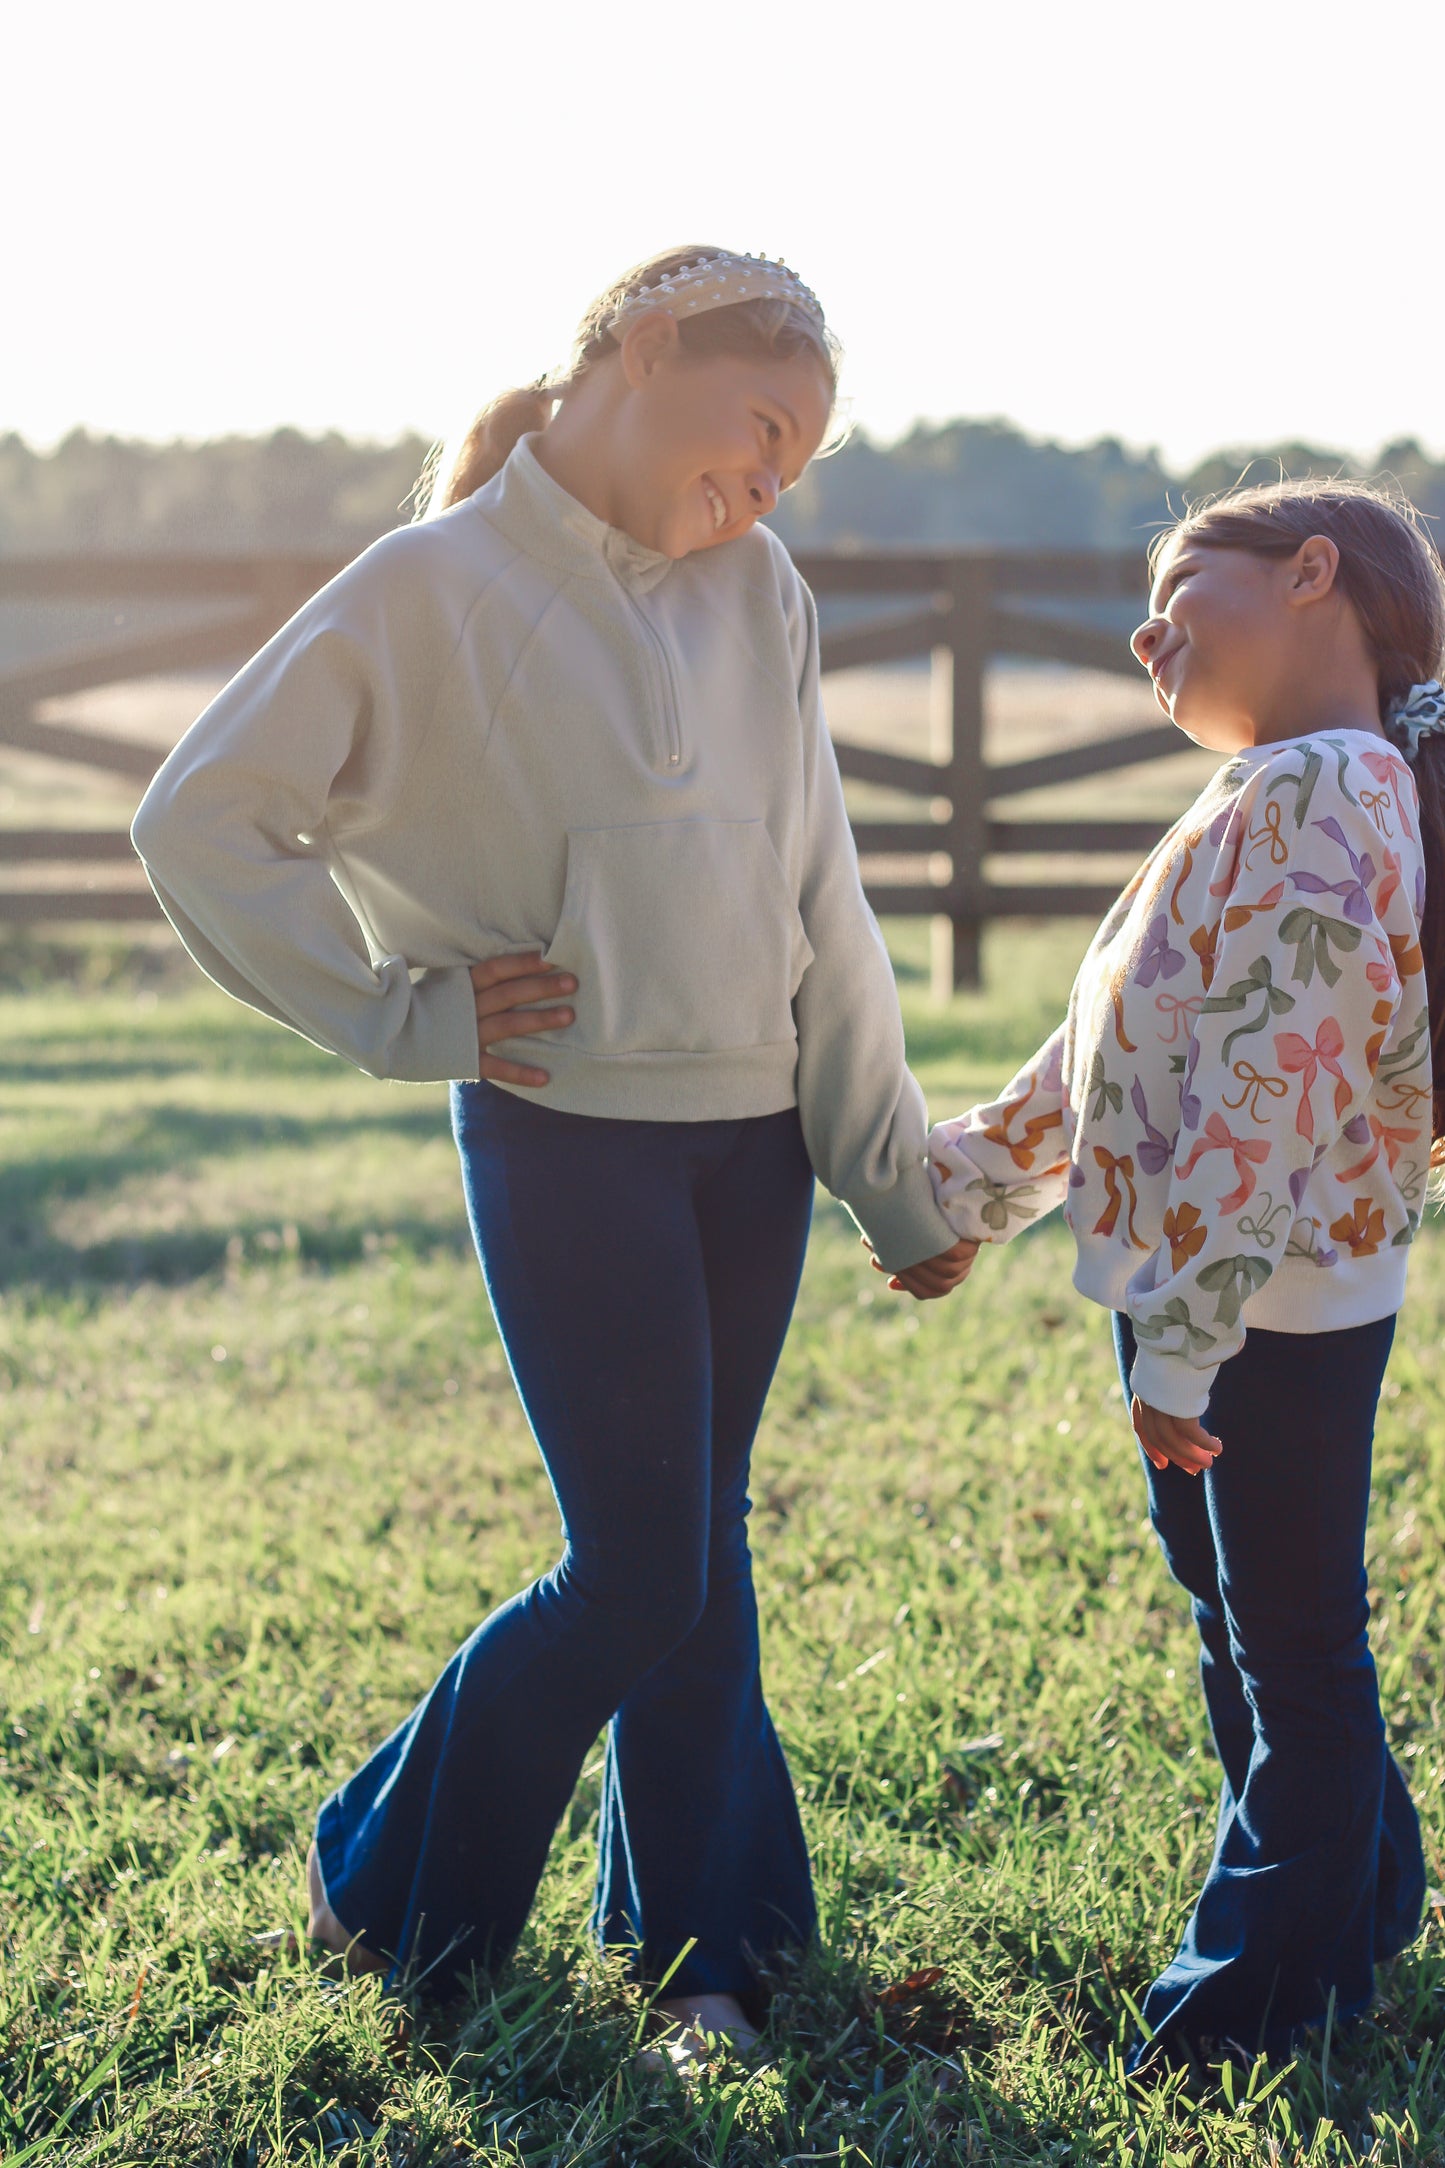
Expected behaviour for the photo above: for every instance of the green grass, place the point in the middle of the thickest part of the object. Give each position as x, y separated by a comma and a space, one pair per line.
262, 1468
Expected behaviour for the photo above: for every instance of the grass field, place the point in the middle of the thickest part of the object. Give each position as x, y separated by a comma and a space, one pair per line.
262, 1468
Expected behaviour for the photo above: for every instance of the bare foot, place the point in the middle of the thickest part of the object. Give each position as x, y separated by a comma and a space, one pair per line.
692, 2027
324, 1927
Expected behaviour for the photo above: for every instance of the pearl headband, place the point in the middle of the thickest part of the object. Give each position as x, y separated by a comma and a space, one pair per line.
718, 282
1417, 714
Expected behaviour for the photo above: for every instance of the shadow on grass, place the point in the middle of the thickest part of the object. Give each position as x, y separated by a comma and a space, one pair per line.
168, 1137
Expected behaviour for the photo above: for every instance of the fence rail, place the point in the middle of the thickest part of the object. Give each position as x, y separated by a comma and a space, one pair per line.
962, 609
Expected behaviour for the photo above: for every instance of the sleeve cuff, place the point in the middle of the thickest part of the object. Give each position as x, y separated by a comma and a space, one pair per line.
1170, 1384
905, 1224
438, 1041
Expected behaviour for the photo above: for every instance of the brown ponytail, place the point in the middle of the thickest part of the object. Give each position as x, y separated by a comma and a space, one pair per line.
1428, 769
456, 468
761, 329
1390, 573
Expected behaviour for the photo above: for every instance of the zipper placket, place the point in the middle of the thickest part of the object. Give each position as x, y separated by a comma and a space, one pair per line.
672, 724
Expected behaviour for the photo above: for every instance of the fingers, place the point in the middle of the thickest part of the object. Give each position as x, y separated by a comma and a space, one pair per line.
924, 1286
520, 1023
517, 989
495, 1071
498, 970
502, 986
1190, 1444
929, 1281
1151, 1452
1177, 1440
933, 1277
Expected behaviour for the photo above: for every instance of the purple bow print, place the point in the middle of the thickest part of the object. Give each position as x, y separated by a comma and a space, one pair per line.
1154, 1150
1158, 957
1356, 893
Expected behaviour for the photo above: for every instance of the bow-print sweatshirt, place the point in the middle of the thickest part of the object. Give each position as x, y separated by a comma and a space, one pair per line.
1236, 1114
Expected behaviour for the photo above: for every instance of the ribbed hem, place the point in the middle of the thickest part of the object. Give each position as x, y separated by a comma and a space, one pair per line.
1171, 1383
726, 1087
1302, 1297
1297, 1297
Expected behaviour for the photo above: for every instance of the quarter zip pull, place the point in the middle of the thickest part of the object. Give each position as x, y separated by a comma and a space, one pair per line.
666, 681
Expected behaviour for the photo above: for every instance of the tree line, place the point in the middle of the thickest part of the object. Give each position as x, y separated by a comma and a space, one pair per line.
961, 482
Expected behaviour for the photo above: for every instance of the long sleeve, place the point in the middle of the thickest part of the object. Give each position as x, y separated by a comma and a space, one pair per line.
1305, 987
1001, 1167
862, 1110
236, 831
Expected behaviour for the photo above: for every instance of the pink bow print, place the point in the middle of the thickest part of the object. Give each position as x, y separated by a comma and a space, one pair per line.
1247, 1154
1298, 1058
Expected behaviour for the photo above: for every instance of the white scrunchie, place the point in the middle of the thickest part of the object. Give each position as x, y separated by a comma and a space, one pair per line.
1419, 713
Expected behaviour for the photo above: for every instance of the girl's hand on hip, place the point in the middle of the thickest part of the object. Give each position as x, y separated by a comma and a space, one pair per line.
934, 1276
503, 986
1181, 1439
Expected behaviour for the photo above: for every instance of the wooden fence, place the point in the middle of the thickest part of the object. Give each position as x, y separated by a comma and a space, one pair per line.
960, 608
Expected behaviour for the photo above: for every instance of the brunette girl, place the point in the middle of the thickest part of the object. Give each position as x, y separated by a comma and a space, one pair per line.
1237, 1117
569, 724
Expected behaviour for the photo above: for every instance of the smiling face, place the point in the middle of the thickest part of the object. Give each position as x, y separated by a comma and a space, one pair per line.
704, 447
1223, 640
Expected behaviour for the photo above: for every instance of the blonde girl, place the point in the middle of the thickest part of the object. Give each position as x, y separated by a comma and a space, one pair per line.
538, 796
1237, 1116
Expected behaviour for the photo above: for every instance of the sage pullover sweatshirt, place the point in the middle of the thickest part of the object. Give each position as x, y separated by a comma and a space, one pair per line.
1236, 1114
514, 727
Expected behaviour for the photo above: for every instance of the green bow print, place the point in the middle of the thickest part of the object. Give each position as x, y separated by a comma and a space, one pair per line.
1174, 1312
1234, 1280
1258, 980
1313, 937
1105, 1093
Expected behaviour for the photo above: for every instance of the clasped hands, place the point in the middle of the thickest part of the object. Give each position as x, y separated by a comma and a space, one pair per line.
933, 1276
506, 989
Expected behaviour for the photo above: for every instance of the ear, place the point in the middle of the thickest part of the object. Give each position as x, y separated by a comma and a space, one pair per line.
648, 342
1313, 570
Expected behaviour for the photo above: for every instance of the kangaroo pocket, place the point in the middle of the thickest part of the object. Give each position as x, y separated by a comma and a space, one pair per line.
683, 936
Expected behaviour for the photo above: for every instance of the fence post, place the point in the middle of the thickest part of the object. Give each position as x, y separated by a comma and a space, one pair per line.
958, 674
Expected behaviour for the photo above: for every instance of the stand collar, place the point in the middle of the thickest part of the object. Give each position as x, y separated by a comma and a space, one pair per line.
542, 518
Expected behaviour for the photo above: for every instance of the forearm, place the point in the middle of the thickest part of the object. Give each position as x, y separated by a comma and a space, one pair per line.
1001, 1167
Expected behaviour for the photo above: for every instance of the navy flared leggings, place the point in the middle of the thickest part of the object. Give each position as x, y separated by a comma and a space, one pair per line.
642, 1275
1317, 1870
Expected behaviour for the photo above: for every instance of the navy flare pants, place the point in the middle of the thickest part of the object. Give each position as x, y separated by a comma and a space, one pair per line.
1317, 1870
643, 1275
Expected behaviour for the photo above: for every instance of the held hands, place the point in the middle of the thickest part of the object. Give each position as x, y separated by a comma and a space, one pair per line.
1180, 1439
934, 1276
503, 986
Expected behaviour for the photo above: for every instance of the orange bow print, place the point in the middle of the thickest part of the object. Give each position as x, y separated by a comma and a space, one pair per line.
1240, 914
1205, 943
1247, 1154
1378, 804
1023, 1150
1362, 1230
1298, 1058
1186, 1234
1251, 1084
1116, 1171
1268, 834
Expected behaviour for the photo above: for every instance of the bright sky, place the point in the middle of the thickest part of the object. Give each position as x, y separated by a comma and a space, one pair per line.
1185, 225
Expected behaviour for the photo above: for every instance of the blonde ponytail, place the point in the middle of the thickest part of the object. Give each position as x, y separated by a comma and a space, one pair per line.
464, 462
